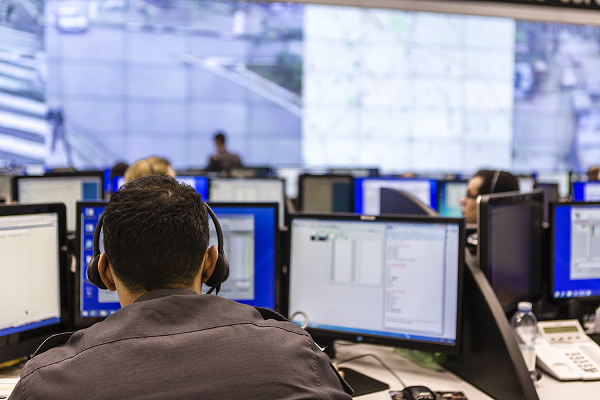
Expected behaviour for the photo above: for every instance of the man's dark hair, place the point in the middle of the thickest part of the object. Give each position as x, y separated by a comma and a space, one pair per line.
155, 233
220, 138
506, 182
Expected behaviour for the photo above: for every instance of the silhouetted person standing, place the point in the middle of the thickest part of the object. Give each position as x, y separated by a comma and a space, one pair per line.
222, 160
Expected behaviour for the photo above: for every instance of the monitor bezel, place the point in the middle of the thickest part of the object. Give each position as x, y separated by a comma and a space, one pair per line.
483, 207
330, 335
301, 189
550, 294
23, 344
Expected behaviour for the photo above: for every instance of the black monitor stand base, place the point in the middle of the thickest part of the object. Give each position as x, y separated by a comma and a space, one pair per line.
360, 383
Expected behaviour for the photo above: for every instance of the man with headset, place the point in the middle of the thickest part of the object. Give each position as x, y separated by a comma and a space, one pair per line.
485, 182
168, 340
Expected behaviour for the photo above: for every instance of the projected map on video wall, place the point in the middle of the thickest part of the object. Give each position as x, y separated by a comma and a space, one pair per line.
88, 83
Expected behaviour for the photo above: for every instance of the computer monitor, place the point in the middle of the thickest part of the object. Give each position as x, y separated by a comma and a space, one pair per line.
355, 172
200, 183
526, 183
33, 271
448, 197
250, 240
367, 192
510, 244
250, 172
562, 178
586, 191
325, 193
575, 251
392, 280
551, 195
5, 188
394, 201
290, 175
248, 190
67, 188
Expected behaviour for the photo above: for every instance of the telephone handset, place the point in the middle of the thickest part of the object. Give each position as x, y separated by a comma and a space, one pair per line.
564, 351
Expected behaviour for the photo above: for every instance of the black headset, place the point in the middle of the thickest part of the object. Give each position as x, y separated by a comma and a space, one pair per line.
494, 181
220, 274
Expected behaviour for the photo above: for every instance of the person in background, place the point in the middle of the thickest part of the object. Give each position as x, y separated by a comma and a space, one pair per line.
149, 166
593, 173
485, 182
222, 160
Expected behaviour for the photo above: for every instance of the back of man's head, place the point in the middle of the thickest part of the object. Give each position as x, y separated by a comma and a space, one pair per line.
220, 138
497, 182
155, 233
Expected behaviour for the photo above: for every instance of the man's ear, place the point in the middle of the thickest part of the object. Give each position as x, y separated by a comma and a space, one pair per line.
105, 271
208, 263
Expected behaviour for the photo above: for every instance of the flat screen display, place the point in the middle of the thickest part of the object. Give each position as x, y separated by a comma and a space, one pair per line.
367, 192
249, 241
248, 190
326, 193
32, 271
59, 189
389, 280
510, 245
586, 191
449, 195
575, 256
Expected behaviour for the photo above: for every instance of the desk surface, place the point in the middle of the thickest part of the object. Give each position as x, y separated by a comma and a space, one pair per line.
410, 372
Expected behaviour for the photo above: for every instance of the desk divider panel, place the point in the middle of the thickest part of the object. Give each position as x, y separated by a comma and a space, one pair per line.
490, 359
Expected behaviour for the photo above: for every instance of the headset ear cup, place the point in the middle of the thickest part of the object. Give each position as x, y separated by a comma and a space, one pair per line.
221, 272
93, 274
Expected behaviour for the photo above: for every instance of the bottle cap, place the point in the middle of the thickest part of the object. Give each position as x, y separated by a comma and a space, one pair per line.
524, 306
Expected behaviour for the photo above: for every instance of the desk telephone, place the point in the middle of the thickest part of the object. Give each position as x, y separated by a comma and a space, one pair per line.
564, 351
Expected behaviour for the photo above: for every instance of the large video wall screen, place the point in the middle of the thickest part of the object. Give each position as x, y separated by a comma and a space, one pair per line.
294, 83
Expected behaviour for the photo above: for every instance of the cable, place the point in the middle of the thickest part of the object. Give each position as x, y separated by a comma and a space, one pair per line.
380, 362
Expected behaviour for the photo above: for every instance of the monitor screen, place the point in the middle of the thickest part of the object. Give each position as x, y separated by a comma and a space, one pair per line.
248, 190
249, 241
367, 192
32, 271
586, 191
526, 183
200, 183
510, 244
67, 189
563, 179
393, 280
449, 195
575, 255
291, 175
326, 193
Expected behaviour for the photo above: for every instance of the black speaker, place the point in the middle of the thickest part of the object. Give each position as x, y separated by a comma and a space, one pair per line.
220, 274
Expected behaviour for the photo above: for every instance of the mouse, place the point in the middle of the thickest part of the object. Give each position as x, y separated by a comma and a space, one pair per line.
418, 393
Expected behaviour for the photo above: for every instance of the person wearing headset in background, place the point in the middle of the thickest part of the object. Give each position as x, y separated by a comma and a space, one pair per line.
168, 340
485, 182
149, 166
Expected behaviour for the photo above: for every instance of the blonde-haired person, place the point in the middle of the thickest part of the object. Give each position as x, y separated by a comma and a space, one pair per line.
149, 166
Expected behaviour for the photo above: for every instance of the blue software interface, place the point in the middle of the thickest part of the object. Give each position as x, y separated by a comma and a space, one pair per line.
576, 257
586, 191
200, 183
449, 195
249, 243
367, 192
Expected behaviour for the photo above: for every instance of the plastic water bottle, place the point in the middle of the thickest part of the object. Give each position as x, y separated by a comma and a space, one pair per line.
524, 325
